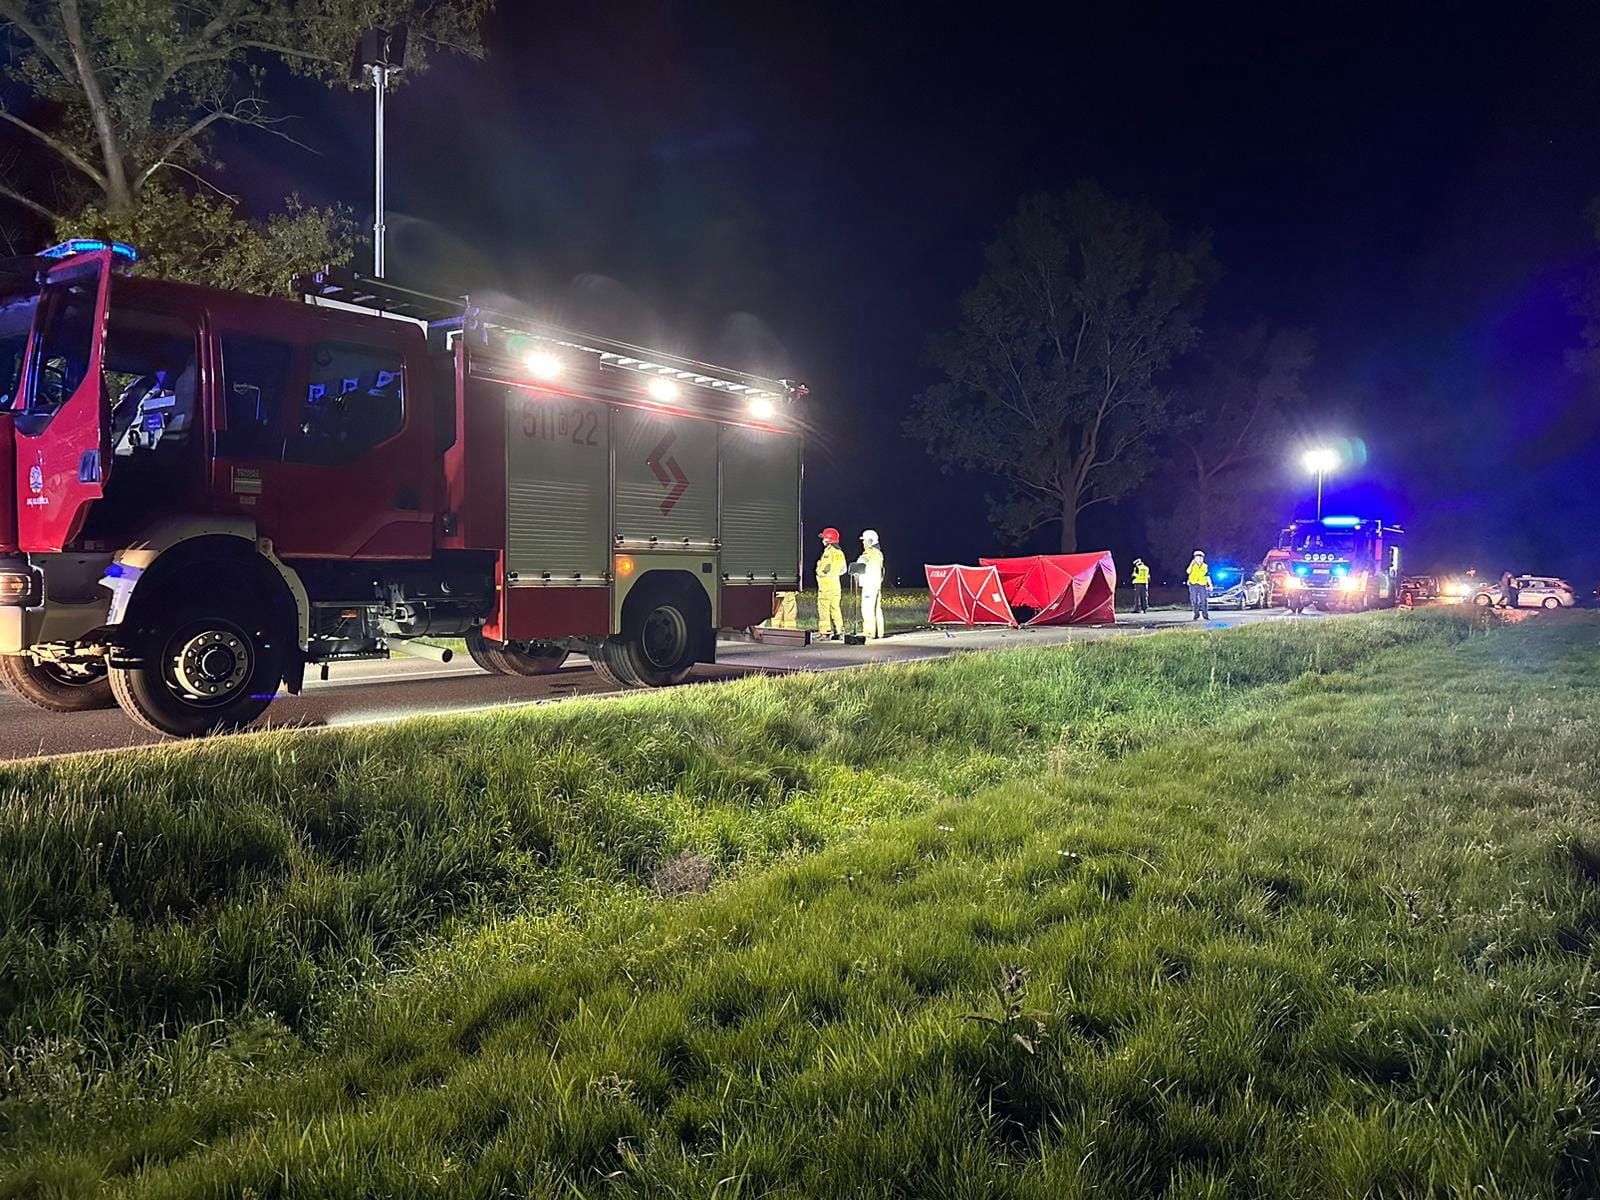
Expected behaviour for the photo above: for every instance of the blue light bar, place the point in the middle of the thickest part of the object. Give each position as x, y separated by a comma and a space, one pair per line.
1341, 570
1342, 522
1302, 570
75, 246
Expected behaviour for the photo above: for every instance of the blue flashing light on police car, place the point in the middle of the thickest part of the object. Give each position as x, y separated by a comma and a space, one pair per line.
75, 246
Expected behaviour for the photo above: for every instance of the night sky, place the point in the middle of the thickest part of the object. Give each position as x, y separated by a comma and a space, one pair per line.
806, 192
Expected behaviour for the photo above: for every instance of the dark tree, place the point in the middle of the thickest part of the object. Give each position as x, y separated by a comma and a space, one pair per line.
123, 96
1216, 490
1053, 376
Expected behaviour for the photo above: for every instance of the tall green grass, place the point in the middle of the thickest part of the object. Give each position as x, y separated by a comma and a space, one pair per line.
903, 609
181, 926
1341, 942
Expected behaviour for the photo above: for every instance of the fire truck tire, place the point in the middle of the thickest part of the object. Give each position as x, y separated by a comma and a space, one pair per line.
657, 646
613, 663
201, 673
481, 651
534, 660
53, 688
500, 659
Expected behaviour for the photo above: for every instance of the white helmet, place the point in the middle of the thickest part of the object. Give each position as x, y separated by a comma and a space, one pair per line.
869, 537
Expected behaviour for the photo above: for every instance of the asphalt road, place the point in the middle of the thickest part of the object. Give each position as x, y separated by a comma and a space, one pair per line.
372, 692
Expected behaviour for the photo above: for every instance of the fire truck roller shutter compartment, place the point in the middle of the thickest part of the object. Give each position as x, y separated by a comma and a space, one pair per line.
666, 481
760, 484
558, 469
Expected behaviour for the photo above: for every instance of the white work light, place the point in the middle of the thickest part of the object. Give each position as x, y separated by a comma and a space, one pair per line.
663, 390
542, 364
1320, 461
762, 409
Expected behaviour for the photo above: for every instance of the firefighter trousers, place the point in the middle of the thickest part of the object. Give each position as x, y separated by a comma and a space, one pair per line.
872, 612
830, 617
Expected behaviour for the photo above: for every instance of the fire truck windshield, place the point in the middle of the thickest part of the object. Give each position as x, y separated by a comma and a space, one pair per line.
1340, 542
16, 319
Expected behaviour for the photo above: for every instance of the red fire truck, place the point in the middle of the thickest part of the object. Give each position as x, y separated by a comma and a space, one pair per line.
203, 492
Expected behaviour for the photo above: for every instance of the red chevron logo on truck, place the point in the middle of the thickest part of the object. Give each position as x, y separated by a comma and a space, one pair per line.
668, 473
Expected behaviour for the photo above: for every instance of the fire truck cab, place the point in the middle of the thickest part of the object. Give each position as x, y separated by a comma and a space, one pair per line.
1338, 564
202, 492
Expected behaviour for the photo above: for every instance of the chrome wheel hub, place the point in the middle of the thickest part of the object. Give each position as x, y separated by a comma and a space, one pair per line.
212, 664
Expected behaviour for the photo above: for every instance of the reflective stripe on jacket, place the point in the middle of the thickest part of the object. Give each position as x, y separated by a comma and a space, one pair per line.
872, 559
830, 566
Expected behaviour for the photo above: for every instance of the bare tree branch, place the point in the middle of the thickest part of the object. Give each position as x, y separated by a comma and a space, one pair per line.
110, 145
32, 205
287, 51
52, 52
194, 175
61, 148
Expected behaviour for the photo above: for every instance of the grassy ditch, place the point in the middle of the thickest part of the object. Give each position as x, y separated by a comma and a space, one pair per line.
181, 925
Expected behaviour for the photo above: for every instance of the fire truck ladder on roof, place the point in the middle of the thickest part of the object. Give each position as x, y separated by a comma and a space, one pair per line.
465, 318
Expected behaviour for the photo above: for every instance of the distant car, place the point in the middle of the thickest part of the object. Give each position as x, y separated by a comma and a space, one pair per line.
1532, 591
1421, 588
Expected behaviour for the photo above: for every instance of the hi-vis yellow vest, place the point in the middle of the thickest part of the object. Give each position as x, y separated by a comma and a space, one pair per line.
1199, 573
1141, 574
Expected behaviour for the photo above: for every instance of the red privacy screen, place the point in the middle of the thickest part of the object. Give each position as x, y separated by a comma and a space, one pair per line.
967, 596
1062, 589
1057, 589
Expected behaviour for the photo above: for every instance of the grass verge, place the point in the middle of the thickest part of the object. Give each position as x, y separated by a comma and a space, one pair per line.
765, 1034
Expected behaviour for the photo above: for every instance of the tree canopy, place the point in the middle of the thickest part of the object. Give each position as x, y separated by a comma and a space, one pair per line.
1054, 372
1217, 484
125, 93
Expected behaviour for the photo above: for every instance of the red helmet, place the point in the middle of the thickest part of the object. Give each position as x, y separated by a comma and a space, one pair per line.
831, 535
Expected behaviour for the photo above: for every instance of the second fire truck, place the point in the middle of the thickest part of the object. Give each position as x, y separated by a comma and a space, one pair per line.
1337, 564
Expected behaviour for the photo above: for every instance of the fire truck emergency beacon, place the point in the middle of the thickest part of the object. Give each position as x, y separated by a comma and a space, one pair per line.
202, 491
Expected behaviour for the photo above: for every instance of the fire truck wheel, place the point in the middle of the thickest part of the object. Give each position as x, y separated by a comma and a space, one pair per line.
57, 689
534, 660
202, 673
596, 652
613, 663
482, 652
499, 659
657, 644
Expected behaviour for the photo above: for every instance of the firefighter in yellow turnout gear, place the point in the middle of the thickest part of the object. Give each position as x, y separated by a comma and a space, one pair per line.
871, 562
831, 568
